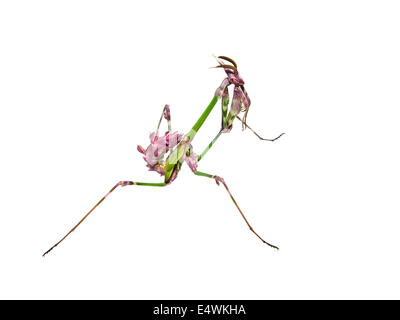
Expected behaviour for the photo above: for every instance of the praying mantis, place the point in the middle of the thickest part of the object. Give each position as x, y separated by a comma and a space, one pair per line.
166, 154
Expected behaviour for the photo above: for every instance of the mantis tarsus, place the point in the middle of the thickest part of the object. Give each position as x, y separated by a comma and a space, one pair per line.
179, 146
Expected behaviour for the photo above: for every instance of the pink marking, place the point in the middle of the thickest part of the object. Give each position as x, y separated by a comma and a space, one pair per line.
236, 102
167, 113
219, 179
141, 149
158, 147
220, 90
192, 161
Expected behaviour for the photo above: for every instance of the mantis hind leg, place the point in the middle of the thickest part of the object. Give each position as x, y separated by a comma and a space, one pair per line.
122, 184
219, 180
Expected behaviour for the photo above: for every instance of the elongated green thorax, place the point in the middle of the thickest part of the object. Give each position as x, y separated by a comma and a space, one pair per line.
202, 118
173, 161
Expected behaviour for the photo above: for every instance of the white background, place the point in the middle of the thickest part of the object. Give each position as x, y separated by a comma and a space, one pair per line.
83, 82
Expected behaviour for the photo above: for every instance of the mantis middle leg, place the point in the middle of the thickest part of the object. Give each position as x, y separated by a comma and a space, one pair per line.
261, 138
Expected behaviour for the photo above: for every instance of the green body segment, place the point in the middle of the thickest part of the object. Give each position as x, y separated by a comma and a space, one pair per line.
202, 118
209, 146
161, 184
173, 161
225, 122
203, 174
225, 103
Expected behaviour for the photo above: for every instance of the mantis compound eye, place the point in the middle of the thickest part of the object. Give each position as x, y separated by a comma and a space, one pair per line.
235, 79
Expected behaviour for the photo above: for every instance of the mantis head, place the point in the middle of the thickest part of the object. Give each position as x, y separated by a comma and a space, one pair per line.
241, 101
